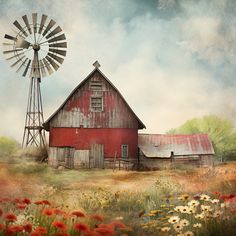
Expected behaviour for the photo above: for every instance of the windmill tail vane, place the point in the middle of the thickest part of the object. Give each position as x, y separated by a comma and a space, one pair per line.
37, 50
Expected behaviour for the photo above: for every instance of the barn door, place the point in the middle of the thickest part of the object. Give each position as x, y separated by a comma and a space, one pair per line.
69, 157
97, 156
65, 157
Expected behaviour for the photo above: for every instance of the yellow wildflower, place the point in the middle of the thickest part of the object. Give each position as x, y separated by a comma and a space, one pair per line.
199, 216
174, 219
188, 233
215, 201
177, 227
197, 225
204, 197
217, 214
165, 229
206, 208
184, 197
193, 203
184, 222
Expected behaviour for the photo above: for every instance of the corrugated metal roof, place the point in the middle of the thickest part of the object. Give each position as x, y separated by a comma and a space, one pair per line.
161, 145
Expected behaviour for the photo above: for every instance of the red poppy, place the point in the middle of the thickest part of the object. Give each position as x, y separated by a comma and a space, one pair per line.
43, 202
106, 231
97, 217
47, 212
10, 217
35, 233
118, 224
38, 202
41, 230
58, 212
26, 201
60, 225
27, 227
216, 193
61, 234
1, 212
91, 233
20, 206
16, 200
81, 227
111, 226
78, 214
14, 229
1, 227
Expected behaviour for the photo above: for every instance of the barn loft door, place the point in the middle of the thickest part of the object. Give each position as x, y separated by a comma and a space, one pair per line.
97, 156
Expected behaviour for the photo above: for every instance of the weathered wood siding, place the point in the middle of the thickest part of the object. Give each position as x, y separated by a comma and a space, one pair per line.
165, 163
59, 156
82, 139
77, 112
97, 156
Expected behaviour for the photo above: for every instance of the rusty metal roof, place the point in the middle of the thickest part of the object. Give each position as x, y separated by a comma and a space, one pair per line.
161, 145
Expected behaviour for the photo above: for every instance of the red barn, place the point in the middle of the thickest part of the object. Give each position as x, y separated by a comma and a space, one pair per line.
94, 123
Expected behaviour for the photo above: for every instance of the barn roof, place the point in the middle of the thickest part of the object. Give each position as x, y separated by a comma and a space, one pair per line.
161, 145
47, 122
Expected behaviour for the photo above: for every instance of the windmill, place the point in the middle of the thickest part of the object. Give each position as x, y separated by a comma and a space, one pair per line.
37, 49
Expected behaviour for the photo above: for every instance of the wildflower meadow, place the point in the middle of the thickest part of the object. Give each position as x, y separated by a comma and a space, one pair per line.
105, 202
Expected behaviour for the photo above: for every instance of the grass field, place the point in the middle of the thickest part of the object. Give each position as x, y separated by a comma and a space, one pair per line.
145, 202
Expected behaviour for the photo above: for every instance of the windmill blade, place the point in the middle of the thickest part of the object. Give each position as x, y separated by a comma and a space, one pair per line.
34, 18
26, 69
11, 51
18, 26
58, 38
55, 31
7, 36
22, 64
49, 69
17, 55
25, 19
43, 71
53, 63
60, 52
22, 43
50, 25
58, 45
7, 44
42, 23
55, 57
17, 61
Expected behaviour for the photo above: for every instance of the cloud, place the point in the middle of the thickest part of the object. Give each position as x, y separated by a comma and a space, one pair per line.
171, 60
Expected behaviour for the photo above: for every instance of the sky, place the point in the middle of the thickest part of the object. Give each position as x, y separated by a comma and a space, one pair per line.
172, 60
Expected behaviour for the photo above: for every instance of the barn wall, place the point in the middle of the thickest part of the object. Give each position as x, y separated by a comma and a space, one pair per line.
165, 163
207, 160
82, 139
76, 112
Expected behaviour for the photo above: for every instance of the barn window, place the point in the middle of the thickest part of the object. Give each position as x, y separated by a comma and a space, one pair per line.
96, 104
124, 150
96, 85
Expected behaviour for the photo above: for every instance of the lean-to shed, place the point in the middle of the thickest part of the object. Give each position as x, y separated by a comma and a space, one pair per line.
159, 150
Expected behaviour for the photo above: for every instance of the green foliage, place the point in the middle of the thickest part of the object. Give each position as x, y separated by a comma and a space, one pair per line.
7, 147
220, 131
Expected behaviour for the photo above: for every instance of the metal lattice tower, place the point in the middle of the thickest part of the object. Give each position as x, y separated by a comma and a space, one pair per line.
37, 51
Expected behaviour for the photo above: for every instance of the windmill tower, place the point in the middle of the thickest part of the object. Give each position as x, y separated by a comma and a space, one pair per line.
37, 49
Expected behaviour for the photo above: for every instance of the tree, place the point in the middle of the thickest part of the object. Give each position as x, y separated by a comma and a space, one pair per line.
220, 131
7, 147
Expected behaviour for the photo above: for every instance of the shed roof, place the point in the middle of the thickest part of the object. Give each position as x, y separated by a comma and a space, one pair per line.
47, 122
161, 145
